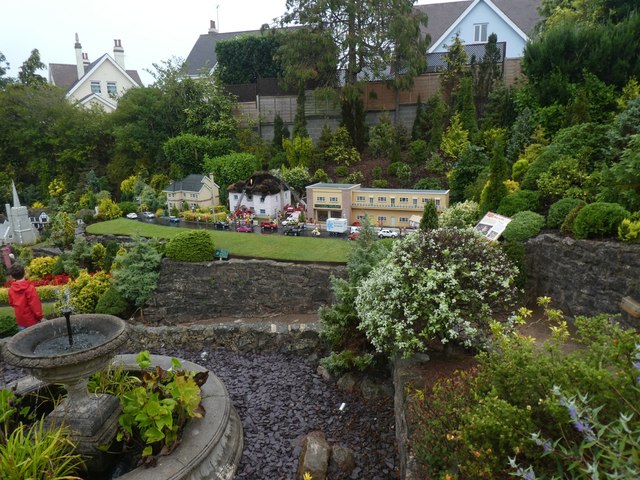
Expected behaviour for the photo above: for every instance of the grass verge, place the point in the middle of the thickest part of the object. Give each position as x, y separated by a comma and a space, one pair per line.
255, 245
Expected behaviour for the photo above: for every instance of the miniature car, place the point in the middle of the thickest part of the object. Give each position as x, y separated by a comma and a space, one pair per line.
270, 226
132, 216
244, 229
294, 231
353, 236
387, 233
173, 219
221, 225
148, 215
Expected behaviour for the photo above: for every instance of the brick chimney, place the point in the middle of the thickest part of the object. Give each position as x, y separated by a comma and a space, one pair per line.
118, 53
79, 57
212, 27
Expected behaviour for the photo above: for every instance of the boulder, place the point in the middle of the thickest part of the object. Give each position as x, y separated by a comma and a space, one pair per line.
342, 462
314, 458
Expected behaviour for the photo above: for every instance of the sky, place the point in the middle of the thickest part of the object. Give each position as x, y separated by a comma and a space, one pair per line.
151, 31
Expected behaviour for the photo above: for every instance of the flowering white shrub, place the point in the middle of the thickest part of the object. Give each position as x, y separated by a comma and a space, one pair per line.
460, 215
444, 285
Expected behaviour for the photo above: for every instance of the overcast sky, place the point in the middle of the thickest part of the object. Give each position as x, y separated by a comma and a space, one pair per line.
150, 30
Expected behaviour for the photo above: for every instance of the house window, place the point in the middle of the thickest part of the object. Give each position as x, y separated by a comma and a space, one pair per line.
480, 32
437, 200
261, 199
319, 199
382, 199
404, 199
360, 198
425, 200
235, 197
404, 220
333, 199
95, 87
371, 200
393, 201
415, 202
112, 90
262, 211
382, 219
360, 217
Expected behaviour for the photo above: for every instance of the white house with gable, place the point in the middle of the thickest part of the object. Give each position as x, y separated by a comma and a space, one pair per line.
100, 82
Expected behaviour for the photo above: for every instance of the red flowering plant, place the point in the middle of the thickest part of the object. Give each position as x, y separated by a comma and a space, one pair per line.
54, 280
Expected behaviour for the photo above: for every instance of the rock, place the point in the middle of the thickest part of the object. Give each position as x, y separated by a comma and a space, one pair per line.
324, 373
347, 383
342, 462
315, 457
372, 390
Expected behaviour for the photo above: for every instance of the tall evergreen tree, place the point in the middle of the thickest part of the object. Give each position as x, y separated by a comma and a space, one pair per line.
487, 73
429, 219
456, 59
465, 106
495, 189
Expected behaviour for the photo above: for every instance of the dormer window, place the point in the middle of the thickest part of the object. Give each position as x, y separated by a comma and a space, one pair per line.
480, 32
112, 89
95, 87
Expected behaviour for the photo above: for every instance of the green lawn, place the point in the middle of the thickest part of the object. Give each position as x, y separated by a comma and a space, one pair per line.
47, 308
274, 246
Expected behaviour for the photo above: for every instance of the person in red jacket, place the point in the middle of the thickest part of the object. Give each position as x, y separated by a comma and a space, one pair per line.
24, 299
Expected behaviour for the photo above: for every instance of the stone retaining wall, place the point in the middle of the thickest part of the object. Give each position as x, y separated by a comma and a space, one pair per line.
303, 339
258, 288
583, 277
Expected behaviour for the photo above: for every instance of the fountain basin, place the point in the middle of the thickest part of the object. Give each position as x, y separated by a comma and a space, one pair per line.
109, 332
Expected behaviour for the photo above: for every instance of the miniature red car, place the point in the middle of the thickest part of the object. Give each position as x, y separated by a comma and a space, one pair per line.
268, 225
245, 229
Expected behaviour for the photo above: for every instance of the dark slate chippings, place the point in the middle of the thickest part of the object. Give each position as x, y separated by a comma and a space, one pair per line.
280, 399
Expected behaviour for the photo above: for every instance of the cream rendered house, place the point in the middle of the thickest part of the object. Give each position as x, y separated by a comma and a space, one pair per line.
100, 82
197, 191
386, 207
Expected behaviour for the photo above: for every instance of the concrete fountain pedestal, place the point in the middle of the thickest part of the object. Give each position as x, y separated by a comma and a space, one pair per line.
211, 447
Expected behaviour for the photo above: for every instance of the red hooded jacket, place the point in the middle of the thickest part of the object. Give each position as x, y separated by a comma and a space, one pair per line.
25, 302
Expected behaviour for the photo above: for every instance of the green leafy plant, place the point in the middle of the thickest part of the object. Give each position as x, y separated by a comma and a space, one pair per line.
85, 291
518, 202
523, 226
8, 326
460, 215
599, 219
155, 410
136, 272
346, 360
191, 246
40, 267
560, 209
629, 231
567, 223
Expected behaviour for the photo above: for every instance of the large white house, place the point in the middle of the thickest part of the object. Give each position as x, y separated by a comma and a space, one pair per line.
100, 82
262, 193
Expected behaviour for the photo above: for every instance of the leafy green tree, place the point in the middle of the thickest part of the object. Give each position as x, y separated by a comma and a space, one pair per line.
456, 60
455, 139
108, 209
297, 178
137, 272
381, 137
4, 68
186, 152
487, 73
299, 151
429, 219
471, 163
231, 168
363, 46
621, 182
300, 120
280, 132
341, 151
465, 106
495, 189
62, 230
27, 74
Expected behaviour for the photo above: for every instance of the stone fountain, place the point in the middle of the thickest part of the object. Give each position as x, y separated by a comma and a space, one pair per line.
56, 352
65, 351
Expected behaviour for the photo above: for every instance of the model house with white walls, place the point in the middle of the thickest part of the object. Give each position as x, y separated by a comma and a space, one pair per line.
98, 83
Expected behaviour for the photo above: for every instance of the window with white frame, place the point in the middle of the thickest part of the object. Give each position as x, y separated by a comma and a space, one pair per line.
319, 199
95, 87
360, 198
382, 199
404, 219
404, 199
235, 197
437, 200
415, 202
262, 211
112, 89
333, 199
261, 199
480, 32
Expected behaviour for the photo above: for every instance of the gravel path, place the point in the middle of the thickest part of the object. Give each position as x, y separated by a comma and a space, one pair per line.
280, 398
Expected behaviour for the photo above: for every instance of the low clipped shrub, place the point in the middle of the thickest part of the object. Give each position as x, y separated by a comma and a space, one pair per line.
523, 226
380, 183
519, 202
40, 267
392, 169
629, 231
599, 219
191, 246
418, 151
428, 183
567, 224
560, 209
342, 171
111, 302
347, 360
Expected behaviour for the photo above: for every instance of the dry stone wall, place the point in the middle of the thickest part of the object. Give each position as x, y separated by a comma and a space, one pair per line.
584, 277
238, 288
